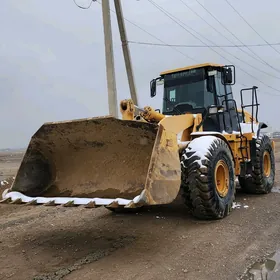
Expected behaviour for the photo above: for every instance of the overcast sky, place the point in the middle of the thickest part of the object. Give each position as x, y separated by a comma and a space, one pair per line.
53, 65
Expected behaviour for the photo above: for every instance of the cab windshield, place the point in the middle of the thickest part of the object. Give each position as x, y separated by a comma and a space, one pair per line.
185, 91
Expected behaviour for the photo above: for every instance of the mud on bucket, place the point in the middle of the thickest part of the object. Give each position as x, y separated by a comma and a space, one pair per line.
101, 157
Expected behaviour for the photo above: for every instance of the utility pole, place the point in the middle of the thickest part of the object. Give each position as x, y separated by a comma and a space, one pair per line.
110, 67
126, 52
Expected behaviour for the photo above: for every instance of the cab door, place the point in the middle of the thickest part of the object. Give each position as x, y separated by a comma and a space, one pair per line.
228, 118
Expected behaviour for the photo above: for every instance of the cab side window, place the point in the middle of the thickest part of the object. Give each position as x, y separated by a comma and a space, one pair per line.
220, 88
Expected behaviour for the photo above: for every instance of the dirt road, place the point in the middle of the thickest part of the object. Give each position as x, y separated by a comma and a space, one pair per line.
39, 242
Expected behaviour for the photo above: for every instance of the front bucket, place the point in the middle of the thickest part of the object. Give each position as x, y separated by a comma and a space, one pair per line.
101, 157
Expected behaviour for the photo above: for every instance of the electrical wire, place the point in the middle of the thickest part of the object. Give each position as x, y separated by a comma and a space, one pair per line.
176, 20
271, 45
200, 46
155, 37
253, 55
174, 46
84, 8
213, 16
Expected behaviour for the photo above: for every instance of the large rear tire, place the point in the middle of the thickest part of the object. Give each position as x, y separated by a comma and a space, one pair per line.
208, 178
261, 178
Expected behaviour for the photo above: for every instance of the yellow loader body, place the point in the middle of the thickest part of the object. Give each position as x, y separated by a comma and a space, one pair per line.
143, 160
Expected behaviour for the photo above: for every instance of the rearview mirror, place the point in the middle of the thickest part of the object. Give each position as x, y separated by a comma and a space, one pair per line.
153, 88
228, 75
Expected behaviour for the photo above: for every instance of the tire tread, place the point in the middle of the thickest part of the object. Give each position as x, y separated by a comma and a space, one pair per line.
197, 184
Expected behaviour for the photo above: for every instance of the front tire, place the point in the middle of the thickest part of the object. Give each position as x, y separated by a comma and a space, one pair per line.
208, 178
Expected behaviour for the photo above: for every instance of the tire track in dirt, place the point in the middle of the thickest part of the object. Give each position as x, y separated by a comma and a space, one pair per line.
90, 258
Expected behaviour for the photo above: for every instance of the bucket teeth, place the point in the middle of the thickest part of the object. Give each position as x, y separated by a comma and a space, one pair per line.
114, 204
69, 204
16, 201
134, 205
91, 205
50, 203
32, 202
130, 205
109, 203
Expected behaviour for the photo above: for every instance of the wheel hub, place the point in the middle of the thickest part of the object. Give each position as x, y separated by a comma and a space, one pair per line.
266, 164
222, 178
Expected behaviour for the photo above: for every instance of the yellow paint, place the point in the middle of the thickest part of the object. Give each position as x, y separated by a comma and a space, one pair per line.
187, 123
266, 164
164, 173
273, 146
247, 115
197, 121
190, 67
177, 124
222, 178
151, 115
127, 109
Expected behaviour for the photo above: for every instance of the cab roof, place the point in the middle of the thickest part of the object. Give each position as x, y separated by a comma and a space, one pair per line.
190, 67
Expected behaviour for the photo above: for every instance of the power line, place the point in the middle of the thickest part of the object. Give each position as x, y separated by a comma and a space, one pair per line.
84, 8
178, 21
150, 34
139, 27
173, 46
173, 18
200, 46
213, 16
271, 45
220, 33
163, 43
155, 37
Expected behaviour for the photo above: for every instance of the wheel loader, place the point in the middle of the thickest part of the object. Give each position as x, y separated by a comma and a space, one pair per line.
198, 144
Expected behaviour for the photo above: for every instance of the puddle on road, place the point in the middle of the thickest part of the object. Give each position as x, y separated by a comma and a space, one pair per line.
269, 269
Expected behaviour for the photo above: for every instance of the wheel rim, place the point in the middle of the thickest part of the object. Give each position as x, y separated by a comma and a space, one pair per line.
266, 164
222, 178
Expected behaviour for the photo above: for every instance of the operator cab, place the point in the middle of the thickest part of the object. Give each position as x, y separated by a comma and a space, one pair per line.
203, 88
